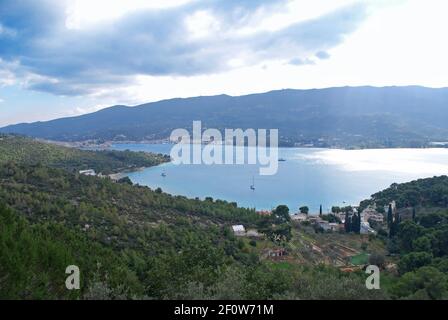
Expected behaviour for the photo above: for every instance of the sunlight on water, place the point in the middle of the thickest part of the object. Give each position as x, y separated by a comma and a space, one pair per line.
413, 161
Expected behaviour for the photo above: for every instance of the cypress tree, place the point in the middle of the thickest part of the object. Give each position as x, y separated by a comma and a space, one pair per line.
352, 223
320, 211
413, 214
395, 224
358, 228
355, 223
397, 219
347, 222
390, 217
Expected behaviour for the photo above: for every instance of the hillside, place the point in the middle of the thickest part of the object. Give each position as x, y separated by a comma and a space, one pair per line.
27, 151
426, 193
132, 242
344, 117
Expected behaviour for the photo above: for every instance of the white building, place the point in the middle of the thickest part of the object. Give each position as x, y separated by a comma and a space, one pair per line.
324, 225
366, 229
328, 226
239, 230
299, 217
393, 205
89, 172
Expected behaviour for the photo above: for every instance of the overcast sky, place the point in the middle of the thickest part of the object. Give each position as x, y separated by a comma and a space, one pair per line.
62, 58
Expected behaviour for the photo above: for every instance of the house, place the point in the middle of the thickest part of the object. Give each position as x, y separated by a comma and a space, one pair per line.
324, 225
335, 226
239, 230
340, 215
327, 226
377, 218
371, 214
264, 213
366, 229
299, 217
275, 253
89, 172
393, 205
252, 233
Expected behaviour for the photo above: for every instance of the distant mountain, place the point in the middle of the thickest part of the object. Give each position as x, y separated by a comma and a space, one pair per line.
346, 116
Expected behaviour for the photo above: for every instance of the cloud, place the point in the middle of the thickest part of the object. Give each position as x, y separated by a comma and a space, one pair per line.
323, 55
6, 32
193, 38
8, 73
301, 62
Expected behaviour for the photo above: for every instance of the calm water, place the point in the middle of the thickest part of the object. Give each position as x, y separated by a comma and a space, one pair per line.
308, 176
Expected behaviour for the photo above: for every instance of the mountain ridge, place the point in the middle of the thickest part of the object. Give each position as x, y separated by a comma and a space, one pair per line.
363, 116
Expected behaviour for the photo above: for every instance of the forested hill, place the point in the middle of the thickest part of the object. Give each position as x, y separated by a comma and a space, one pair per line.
425, 193
347, 116
418, 235
28, 151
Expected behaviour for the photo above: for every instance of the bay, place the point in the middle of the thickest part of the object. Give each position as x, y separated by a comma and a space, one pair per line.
308, 176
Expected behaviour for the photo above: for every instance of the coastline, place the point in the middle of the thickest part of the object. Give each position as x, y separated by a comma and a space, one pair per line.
104, 145
123, 173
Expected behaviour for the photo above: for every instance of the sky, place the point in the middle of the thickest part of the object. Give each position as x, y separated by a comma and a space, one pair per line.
61, 58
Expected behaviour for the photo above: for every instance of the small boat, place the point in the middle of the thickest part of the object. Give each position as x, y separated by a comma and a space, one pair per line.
281, 159
163, 174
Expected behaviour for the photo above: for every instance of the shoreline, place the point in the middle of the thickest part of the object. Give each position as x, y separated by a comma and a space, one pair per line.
123, 173
108, 144
95, 145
